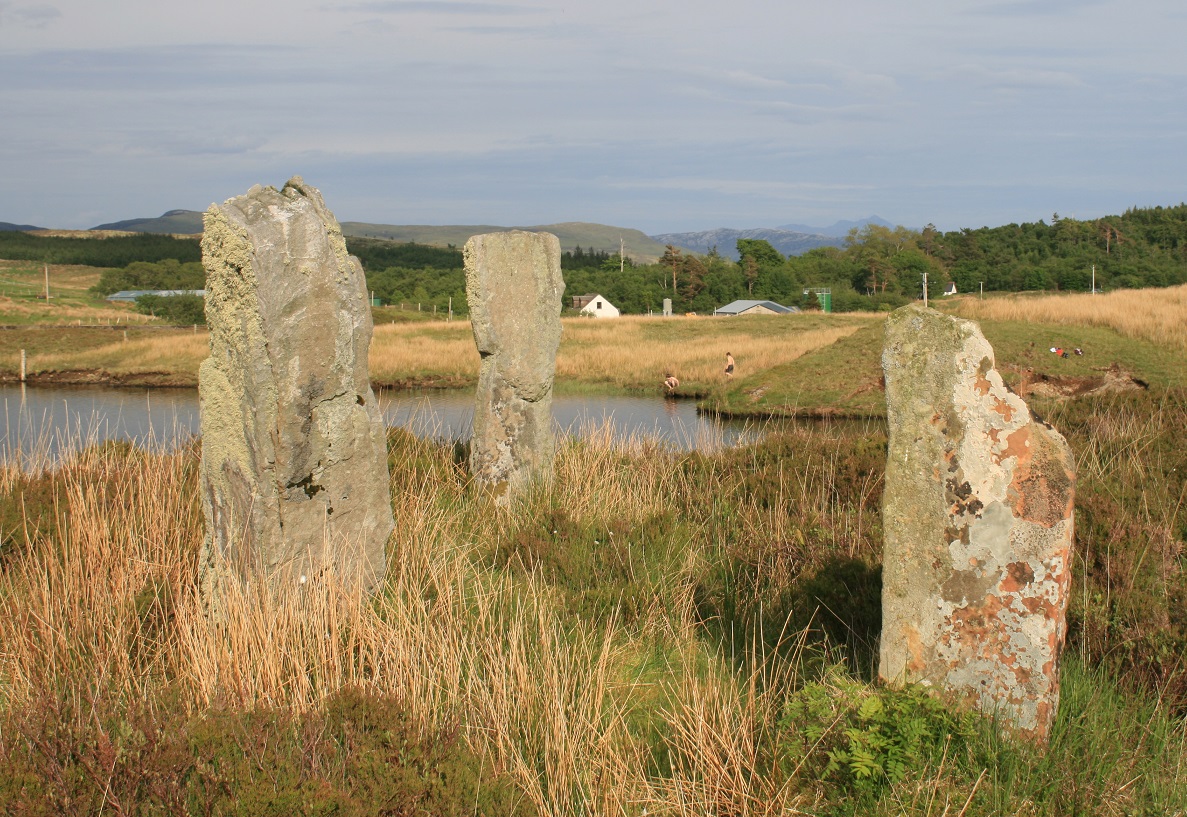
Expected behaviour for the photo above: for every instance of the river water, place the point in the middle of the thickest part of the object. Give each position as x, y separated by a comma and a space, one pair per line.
46, 421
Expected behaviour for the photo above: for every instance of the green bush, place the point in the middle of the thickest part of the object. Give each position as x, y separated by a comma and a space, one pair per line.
864, 738
183, 310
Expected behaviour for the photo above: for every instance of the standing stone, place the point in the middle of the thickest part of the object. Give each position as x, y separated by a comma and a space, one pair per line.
514, 288
294, 460
978, 525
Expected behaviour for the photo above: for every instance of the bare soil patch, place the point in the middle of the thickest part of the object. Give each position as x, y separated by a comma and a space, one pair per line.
100, 377
1111, 380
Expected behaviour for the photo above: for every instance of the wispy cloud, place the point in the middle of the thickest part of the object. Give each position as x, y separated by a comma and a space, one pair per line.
739, 187
752, 80
1034, 8
37, 15
1018, 78
175, 68
431, 7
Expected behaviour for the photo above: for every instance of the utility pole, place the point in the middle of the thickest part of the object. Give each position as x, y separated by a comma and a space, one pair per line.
925, 290
621, 254
47, 282
1094, 279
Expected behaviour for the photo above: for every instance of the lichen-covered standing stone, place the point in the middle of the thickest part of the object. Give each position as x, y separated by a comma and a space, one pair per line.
977, 513
514, 289
294, 464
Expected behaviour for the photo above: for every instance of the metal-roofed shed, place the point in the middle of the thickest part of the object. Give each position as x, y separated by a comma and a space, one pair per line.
747, 307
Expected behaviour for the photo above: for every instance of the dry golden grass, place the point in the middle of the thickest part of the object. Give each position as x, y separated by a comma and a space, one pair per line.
400, 351
22, 312
109, 601
628, 353
181, 351
104, 601
631, 353
1155, 315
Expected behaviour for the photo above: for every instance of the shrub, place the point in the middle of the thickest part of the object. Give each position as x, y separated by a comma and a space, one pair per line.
864, 738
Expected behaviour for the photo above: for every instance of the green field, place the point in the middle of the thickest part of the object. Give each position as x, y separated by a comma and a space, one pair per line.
845, 378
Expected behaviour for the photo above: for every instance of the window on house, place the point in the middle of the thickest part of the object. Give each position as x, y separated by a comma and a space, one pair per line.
599, 306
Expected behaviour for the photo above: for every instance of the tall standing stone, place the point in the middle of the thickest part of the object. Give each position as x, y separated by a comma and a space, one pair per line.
514, 288
978, 526
294, 461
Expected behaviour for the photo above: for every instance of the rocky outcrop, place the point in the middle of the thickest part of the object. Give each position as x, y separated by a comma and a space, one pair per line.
978, 526
514, 288
294, 465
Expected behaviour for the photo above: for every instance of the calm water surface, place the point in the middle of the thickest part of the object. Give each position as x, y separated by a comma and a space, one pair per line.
47, 420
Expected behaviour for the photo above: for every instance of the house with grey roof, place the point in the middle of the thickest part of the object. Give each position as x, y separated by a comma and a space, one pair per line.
745, 307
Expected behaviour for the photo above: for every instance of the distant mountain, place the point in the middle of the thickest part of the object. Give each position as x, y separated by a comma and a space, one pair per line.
839, 229
788, 242
571, 234
8, 227
178, 222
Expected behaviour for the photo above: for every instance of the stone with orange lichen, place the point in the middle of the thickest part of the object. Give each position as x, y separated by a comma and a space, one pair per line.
978, 525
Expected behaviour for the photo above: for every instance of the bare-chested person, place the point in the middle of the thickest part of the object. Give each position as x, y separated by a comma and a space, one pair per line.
729, 365
672, 383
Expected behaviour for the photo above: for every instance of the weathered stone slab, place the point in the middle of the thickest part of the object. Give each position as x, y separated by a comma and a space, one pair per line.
294, 461
978, 526
514, 288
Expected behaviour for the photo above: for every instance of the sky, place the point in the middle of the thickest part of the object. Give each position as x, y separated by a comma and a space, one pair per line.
657, 115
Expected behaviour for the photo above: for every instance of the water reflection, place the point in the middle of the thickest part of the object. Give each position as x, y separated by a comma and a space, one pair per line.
46, 421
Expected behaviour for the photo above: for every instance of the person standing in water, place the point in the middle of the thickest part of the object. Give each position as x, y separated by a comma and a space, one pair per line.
729, 365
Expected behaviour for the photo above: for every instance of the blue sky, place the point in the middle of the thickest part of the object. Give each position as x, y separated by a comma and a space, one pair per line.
654, 114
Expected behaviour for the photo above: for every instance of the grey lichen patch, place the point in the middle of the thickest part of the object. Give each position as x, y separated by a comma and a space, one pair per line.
294, 466
978, 523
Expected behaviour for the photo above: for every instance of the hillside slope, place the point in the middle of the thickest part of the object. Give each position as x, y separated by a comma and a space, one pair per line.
175, 222
598, 237
726, 240
572, 234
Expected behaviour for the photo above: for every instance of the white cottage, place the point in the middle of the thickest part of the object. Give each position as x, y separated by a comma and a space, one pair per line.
595, 306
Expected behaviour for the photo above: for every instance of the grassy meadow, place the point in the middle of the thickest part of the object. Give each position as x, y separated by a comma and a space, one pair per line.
22, 297
653, 632
1125, 335
631, 354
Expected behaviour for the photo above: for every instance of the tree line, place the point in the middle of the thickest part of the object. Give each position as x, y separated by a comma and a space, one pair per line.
878, 267
116, 251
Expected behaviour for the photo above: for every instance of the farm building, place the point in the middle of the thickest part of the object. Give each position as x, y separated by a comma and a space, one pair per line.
595, 306
755, 308
128, 295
